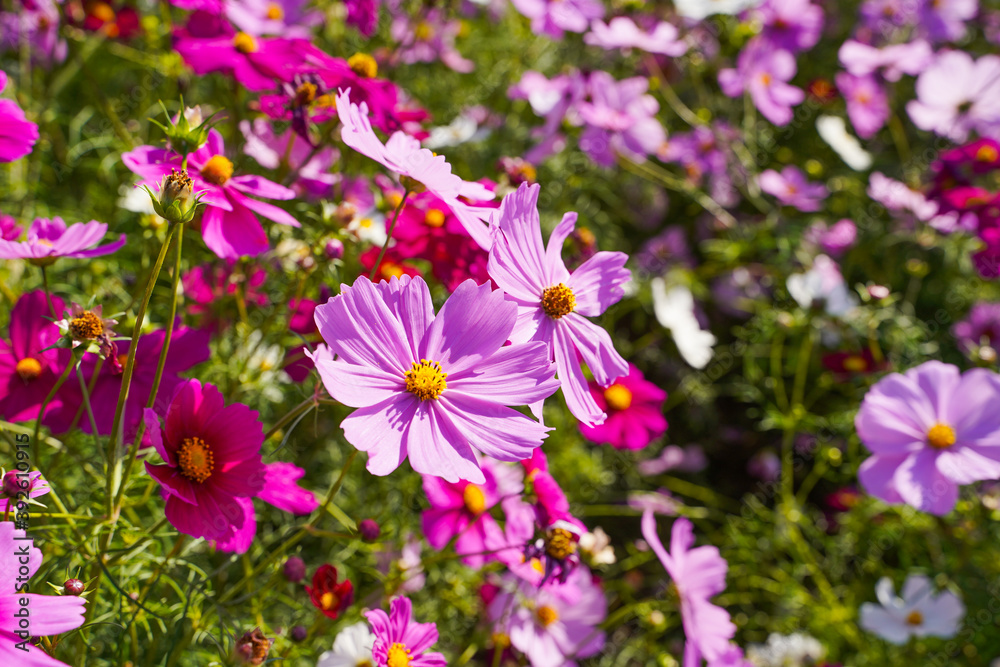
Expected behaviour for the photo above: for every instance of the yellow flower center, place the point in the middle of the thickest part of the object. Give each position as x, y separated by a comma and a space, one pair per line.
244, 43
398, 656
560, 543
987, 154
426, 380
305, 94
537, 566
546, 615
363, 65
474, 499
915, 618
855, 364
765, 78
618, 397
86, 326
217, 170
102, 11
29, 369
196, 460
423, 31
329, 600
941, 436
500, 639
434, 218
558, 301
275, 12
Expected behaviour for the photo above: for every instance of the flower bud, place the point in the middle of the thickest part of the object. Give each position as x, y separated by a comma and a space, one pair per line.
295, 569
369, 530
334, 249
73, 587
176, 201
252, 648
187, 131
299, 633
12, 485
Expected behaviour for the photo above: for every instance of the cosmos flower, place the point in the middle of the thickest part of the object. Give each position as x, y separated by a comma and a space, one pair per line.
957, 95
553, 17
822, 286
620, 118
675, 310
833, 130
48, 614
833, 239
351, 648
47, 240
978, 335
328, 594
430, 40
282, 18
635, 412
403, 155
764, 72
552, 303
14, 483
28, 369
270, 150
700, 9
17, 134
930, 430
892, 62
793, 25
622, 33
211, 455
429, 387
399, 640
867, 103
792, 188
944, 20
918, 613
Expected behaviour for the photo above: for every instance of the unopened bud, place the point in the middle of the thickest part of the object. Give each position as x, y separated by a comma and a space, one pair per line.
295, 569
176, 201
334, 249
369, 530
12, 485
299, 633
73, 587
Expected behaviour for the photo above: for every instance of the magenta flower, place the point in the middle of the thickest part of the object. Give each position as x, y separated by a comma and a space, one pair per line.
978, 335
432, 387
867, 103
622, 33
9, 229
403, 155
791, 188
553, 304
462, 509
556, 623
764, 72
271, 150
930, 429
793, 25
552, 17
698, 574
212, 464
17, 134
635, 412
363, 15
28, 370
35, 24
229, 224
957, 95
399, 640
48, 240
556, 100
621, 119
14, 483
47, 614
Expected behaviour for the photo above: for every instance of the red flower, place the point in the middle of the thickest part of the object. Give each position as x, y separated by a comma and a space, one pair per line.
327, 595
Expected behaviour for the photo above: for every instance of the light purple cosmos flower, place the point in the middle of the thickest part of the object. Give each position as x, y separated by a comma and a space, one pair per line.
764, 72
792, 188
891, 61
622, 33
978, 335
432, 387
281, 18
698, 574
793, 25
553, 304
47, 240
918, 613
555, 100
403, 155
703, 152
900, 199
930, 430
35, 25
867, 103
229, 226
429, 40
552, 17
621, 119
399, 640
957, 95
17, 134
833, 240
556, 623
314, 178
944, 20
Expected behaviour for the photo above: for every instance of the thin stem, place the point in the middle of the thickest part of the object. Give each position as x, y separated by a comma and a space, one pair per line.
45, 404
663, 177
388, 236
292, 414
48, 293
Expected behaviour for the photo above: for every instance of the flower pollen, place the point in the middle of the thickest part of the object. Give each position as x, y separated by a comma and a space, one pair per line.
987, 153
217, 170
474, 499
915, 618
86, 326
618, 397
434, 218
941, 436
244, 43
855, 364
426, 380
29, 368
546, 615
275, 12
195, 459
558, 301
398, 656
363, 65
305, 94
329, 600
560, 543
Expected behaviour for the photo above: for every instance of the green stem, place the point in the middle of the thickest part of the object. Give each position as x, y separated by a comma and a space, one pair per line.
292, 414
48, 293
388, 236
41, 411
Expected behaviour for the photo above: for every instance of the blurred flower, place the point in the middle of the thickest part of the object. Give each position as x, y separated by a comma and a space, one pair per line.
700, 9
29, 367
552, 303
9, 229
294, 569
764, 72
823, 287
978, 335
404, 566
793, 25
552, 17
675, 310
659, 502
313, 178
252, 648
667, 249
764, 465
682, 459
596, 546
892, 62
944, 20
282, 18
784, 650
833, 130
957, 95
464, 128
351, 648
429, 40
328, 594
622, 33
898, 198
930, 430
703, 152
792, 188
18, 134
833, 240
867, 103
740, 292
620, 120
48, 240
430, 388
399, 640
918, 613
860, 362
635, 412
35, 24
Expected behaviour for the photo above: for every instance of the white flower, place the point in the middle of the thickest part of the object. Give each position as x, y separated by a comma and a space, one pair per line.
352, 648
833, 131
675, 311
464, 128
786, 650
135, 199
699, 9
597, 546
918, 613
822, 285
369, 228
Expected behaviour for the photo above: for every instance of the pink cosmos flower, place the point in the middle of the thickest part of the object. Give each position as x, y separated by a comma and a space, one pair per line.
429, 40
17, 134
635, 412
207, 284
957, 95
552, 17
556, 623
47, 240
28, 370
462, 509
930, 430
556, 100
764, 72
698, 574
793, 25
944, 20
792, 188
47, 614
312, 168
835, 239
229, 226
891, 61
867, 103
403, 155
553, 304
283, 18
399, 640
620, 118
621, 32
211, 455
432, 387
